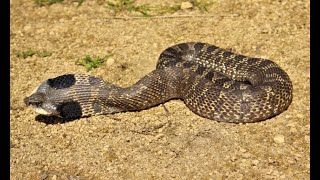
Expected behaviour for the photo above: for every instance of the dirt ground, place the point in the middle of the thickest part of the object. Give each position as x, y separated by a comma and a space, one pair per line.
153, 143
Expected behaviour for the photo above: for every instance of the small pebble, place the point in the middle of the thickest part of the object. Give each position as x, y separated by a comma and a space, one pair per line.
293, 130
255, 162
160, 152
246, 155
270, 161
186, 5
110, 61
233, 158
54, 177
128, 139
243, 150
44, 176
159, 136
27, 27
279, 138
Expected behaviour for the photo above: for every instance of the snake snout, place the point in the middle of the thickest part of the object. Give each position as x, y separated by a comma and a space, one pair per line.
35, 99
40, 104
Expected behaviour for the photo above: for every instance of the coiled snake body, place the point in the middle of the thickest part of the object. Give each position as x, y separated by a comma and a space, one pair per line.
214, 83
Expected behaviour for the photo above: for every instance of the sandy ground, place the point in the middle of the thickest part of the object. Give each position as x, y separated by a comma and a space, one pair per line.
154, 144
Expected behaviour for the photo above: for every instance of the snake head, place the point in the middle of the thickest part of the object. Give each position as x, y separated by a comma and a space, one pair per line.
40, 102
51, 98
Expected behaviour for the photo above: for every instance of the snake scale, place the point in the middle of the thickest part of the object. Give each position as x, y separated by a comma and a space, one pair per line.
213, 82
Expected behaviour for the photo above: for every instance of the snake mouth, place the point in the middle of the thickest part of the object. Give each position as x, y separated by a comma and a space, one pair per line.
42, 111
28, 101
36, 106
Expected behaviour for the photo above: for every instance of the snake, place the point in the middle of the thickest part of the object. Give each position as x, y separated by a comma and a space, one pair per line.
213, 82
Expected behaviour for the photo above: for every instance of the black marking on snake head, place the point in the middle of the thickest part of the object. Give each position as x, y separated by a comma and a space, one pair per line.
97, 106
70, 110
62, 82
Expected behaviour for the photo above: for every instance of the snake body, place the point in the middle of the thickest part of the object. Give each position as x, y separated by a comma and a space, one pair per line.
214, 83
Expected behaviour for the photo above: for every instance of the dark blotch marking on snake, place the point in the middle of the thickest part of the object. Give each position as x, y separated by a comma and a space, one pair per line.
227, 54
198, 46
97, 106
187, 65
62, 82
210, 49
94, 81
171, 52
183, 47
200, 70
209, 75
70, 110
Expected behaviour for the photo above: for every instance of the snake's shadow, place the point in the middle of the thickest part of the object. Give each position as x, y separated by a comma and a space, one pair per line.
52, 119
